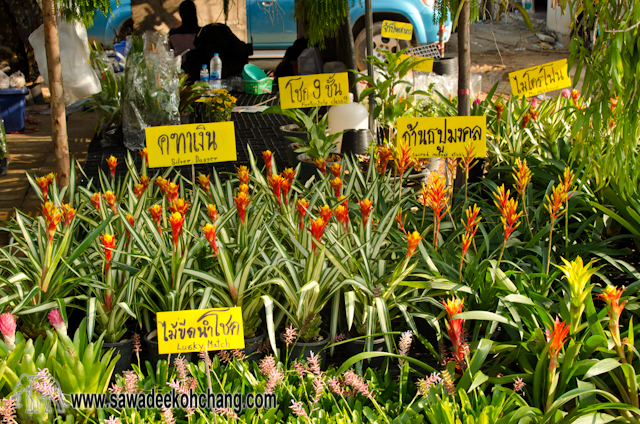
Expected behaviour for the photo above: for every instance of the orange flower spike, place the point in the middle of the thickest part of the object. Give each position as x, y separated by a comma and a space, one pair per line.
555, 202
413, 239
43, 183
156, 214
144, 180
575, 96
437, 194
130, 219
138, 190
113, 163
212, 211
68, 213
501, 198
384, 154
325, 213
108, 242
473, 219
525, 119
522, 176
203, 181
454, 326
210, 234
317, 229
366, 206
179, 205
510, 218
53, 216
267, 156
242, 201
51, 177
404, 158
144, 154
289, 174
557, 337
162, 183
322, 166
499, 109
176, 220
336, 169
469, 156
302, 206
110, 198
275, 182
342, 215
244, 188
243, 175
453, 307
172, 192
336, 184
567, 180
286, 188
611, 295
467, 239
95, 199
614, 103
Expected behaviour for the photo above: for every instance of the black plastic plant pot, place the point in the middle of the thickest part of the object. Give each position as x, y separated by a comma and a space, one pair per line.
356, 142
123, 348
252, 345
300, 350
446, 66
309, 169
356, 347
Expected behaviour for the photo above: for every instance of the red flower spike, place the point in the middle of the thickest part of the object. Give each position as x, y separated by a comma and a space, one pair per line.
302, 206
144, 180
403, 161
275, 182
522, 176
575, 96
68, 213
336, 184
467, 238
412, 242
131, 221
144, 153
336, 169
437, 199
289, 174
110, 198
203, 181
95, 199
162, 183
554, 203
43, 183
322, 166
286, 188
242, 201
472, 221
454, 327
366, 206
172, 192
384, 154
525, 119
138, 190
243, 175
210, 234
113, 163
325, 213
567, 181
499, 109
108, 242
267, 156
244, 188
156, 215
317, 229
557, 336
176, 220
179, 205
510, 218
342, 215
611, 295
52, 216
212, 211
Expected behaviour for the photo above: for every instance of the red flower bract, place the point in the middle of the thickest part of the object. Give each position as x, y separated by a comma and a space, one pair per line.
412, 242
176, 220
210, 234
267, 156
342, 215
243, 175
366, 206
113, 163
557, 335
302, 206
52, 216
108, 242
242, 201
317, 229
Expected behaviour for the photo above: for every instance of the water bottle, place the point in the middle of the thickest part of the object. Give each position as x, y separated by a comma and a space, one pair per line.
204, 74
216, 71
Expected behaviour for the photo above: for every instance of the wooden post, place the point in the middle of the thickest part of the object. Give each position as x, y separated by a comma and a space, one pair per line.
58, 116
368, 19
464, 58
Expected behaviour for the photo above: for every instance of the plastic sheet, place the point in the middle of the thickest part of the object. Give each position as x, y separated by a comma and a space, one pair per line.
151, 96
4, 80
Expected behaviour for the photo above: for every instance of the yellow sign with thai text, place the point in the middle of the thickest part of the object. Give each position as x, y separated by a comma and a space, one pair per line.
191, 144
314, 90
448, 137
423, 64
399, 30
200, 330
540, 79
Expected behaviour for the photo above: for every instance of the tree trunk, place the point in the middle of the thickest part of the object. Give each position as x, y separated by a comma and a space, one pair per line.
464, 60
58, 116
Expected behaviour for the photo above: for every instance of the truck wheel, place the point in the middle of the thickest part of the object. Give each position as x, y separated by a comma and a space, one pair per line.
379, 43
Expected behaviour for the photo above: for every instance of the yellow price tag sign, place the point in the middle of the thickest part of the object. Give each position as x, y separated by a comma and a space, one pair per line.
444, 137
175, 145
200, 330
314, 90
540, 79
423, 64
399, 30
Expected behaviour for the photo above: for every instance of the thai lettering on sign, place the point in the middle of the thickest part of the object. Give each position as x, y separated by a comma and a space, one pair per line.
399, 30
176, 145
443, 137
314, 90
200, 330
540, 79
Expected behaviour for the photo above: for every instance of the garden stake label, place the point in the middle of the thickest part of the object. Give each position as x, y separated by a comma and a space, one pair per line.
314, 90
423, 64
175, 145
443, 137
200, 330
540, 79
399, 30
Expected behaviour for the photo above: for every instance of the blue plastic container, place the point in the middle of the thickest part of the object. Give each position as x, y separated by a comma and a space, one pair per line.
12, 108
121, 55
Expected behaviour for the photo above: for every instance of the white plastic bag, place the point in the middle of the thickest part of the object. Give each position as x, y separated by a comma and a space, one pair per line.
78, 78
4, 80
17, 80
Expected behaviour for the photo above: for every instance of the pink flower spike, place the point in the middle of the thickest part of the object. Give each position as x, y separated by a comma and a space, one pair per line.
566, 93
8, 329
56, 321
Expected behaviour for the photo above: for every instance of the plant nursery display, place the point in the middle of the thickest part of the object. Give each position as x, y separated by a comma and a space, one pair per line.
365, 295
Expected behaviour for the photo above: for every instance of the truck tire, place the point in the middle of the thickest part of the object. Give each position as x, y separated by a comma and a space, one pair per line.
390, 44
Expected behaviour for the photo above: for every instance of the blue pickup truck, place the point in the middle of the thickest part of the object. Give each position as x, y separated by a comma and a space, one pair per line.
271, 24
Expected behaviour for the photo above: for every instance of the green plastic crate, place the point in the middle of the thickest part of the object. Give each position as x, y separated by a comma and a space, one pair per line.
263, 86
